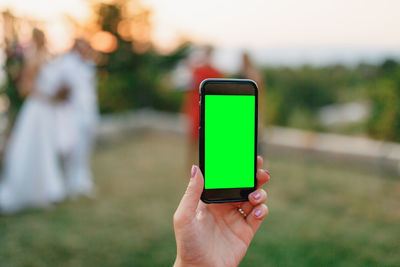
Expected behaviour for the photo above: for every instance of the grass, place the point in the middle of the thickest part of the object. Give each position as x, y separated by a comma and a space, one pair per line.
321, 214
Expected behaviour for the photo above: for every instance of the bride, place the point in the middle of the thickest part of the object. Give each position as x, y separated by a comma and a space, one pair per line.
31, 171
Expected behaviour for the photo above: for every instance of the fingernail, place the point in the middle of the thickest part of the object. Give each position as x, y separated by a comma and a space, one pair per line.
257, 213
267, 172
193, 171
255, 195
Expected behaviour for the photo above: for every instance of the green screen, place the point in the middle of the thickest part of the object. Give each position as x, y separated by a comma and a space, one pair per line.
229, 141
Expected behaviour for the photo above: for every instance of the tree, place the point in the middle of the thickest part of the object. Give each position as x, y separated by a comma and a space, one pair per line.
133, 72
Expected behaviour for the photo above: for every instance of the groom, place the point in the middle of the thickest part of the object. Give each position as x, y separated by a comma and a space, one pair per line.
77, 117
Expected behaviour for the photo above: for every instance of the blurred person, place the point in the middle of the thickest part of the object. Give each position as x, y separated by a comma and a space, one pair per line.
31, 175
77, 117
217, 234
14, 57
249, 71
200, 71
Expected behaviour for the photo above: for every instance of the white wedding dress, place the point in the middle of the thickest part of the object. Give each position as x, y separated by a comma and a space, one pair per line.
77, 119
32, 174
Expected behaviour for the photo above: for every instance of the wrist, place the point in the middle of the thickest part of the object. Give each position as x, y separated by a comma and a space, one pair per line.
179, 263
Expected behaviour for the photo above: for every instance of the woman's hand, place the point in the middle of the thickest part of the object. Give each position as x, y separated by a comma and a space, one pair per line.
217, 234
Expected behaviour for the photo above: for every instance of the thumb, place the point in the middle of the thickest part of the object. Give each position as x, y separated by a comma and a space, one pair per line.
191, 198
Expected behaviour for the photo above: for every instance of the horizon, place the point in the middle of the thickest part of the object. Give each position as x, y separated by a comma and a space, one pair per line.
228, 59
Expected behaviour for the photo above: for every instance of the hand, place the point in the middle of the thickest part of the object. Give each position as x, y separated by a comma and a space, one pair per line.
216, 234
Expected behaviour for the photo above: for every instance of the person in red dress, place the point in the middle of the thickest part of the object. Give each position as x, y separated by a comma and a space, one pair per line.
200, 71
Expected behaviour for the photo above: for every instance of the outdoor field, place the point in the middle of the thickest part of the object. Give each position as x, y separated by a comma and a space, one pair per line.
321, 213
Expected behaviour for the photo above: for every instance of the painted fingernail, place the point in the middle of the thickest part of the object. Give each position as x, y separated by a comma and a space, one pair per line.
257, 213
256, 195
193, 171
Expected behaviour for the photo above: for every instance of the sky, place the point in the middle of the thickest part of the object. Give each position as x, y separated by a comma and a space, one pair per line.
314, 28
257, 23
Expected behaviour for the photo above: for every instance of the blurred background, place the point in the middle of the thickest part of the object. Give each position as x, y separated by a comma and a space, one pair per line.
329, 73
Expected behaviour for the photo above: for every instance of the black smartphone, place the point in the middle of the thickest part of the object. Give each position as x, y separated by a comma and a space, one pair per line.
228, 139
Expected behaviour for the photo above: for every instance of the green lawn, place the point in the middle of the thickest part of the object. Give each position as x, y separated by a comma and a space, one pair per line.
321, 214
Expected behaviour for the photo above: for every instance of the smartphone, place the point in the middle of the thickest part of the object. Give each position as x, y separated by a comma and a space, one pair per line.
228, 139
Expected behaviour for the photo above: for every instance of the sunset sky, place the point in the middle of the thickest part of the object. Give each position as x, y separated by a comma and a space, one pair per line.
258, 23
253, 24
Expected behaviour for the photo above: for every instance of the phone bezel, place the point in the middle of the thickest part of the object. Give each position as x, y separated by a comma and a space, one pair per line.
226, 87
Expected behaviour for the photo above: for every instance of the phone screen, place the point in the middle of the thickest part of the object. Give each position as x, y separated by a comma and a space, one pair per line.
229, 132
